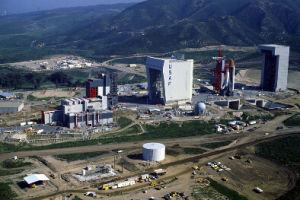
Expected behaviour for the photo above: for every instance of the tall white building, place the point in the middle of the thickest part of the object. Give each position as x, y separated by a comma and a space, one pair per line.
275, 67
170, 80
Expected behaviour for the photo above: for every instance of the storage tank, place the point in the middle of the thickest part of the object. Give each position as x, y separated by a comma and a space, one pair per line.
200, 108
154, 151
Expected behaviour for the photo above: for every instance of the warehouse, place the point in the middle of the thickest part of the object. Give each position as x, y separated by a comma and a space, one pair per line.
10, 106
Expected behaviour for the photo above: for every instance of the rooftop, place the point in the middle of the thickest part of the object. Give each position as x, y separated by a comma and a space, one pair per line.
32, 178
10, 103
7, 94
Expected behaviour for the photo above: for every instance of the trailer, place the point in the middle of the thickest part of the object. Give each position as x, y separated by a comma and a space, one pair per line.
257, 190
159, 172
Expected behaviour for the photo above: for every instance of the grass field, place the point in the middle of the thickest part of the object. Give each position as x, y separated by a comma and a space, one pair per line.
285, 151
231, 194
6, 193
214, 145
193, 150
80, 156
123, 122
293, 121
10, 172
164, 130
9, 163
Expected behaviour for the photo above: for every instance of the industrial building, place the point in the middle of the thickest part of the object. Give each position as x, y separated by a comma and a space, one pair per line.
11, 106
80, 113
154, 152
275, 66
98, 87
104, 86
169, 80
223, 75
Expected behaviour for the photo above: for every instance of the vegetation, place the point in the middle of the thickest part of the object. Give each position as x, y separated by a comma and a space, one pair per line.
285, 151
293, 121
247, 117
128, 165
231, 194
6, 147
10, 172
6, 193
160, 28
293, 194
15, 78
9, 163
130, 79
77, 198
214, 145
80, 156
123, 122
162, 131
193, 150
135, 60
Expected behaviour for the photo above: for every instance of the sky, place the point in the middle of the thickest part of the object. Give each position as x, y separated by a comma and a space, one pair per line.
23, 6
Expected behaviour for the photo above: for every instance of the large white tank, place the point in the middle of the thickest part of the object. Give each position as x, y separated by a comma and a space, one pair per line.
154, 151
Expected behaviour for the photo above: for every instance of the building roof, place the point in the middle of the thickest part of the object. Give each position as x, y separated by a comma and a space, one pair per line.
6, 94
32, 178
9, 104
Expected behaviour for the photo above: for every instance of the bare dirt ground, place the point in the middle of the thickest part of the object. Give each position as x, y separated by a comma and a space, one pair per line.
252, 76
53, 93
243, 177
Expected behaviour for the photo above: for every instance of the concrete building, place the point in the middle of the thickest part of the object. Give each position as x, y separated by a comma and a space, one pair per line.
169, 80
10, 106
275, 66
80, 113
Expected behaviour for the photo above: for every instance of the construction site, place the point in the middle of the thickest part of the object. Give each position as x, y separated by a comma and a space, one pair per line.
152, 141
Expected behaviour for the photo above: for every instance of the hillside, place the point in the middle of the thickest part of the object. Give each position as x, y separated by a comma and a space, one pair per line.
195, 23
153, 26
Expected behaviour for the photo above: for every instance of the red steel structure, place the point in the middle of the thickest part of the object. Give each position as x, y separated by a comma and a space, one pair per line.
93, 92
219, 72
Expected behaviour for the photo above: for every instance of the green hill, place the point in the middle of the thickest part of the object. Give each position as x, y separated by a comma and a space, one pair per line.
152, 26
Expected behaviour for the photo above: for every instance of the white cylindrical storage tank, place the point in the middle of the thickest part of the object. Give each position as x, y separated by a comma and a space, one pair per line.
154, 151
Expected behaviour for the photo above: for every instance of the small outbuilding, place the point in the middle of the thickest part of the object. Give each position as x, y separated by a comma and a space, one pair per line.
11, 106
7, 95
36, 179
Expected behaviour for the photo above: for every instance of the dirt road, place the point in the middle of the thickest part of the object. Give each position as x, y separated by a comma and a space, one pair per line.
127, 146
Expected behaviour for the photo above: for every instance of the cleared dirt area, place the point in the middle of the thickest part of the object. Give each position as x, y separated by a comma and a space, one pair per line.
252, 76
243, 177
251, 171
53, 93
